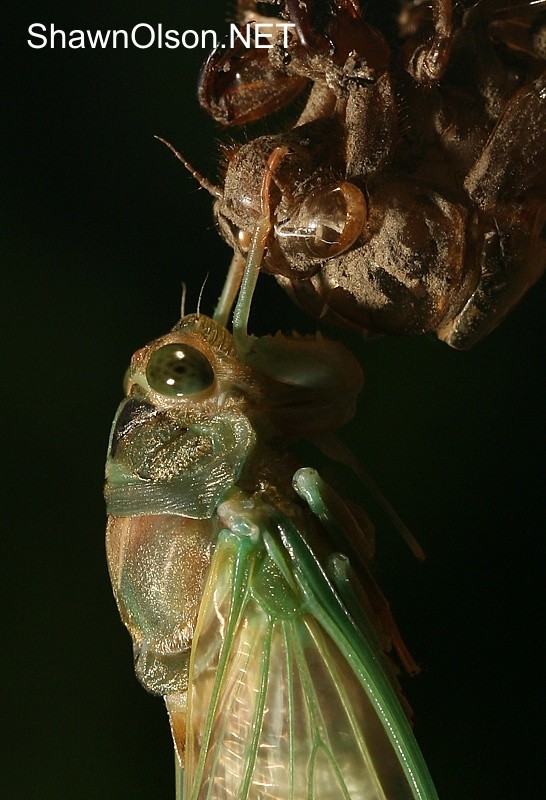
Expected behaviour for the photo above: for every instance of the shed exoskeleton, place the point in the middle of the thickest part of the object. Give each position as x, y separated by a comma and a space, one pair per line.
412, 193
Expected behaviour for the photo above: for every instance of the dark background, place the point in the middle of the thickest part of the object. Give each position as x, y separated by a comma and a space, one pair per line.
102, 225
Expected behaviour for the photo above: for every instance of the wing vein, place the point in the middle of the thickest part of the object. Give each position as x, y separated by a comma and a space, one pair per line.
290, 708
347, 707
258, 715
238, 602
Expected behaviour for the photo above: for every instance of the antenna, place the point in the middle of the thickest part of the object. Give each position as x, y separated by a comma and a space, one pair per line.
204, 183
201, 294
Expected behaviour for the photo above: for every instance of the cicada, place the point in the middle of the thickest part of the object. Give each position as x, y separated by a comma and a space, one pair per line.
243, 577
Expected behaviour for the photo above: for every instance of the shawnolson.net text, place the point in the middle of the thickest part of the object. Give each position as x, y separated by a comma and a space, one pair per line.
144, 36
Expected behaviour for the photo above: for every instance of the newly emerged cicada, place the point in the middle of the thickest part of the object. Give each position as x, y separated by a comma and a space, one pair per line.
243, 577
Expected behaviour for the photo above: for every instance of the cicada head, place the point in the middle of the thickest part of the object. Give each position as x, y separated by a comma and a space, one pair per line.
181, 437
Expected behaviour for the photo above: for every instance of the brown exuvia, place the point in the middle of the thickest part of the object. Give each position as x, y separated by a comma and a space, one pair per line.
412, 193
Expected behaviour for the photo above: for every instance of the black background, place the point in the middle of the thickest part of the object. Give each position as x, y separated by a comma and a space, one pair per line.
102, 225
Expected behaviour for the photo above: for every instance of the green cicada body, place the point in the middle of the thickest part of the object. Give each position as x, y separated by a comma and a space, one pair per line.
226, 566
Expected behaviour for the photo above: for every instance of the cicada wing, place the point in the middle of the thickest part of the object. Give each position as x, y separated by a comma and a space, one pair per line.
360, 652
276, 708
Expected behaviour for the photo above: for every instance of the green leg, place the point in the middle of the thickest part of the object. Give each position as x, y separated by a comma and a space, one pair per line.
229, 292
342, 526
335, 515
250, 277
243, 341
358, 591
311, 488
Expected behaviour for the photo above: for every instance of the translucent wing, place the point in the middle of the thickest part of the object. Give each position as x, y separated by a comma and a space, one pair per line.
287, 699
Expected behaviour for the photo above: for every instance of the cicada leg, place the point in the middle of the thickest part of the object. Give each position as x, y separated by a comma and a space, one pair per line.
230, 290
507, 184
242, 275
356, 592
255, 258
519, 25
427, 62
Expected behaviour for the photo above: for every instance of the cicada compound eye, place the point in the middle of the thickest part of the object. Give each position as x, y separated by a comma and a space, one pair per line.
326, 224
179, 370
